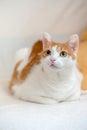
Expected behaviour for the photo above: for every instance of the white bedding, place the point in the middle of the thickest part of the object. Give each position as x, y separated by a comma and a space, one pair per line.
19, 115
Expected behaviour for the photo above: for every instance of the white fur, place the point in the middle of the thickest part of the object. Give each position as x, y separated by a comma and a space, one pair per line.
22, 55
50, 85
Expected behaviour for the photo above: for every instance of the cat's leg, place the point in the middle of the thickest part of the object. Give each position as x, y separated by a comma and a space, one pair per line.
39, 99
74, 97
19, 93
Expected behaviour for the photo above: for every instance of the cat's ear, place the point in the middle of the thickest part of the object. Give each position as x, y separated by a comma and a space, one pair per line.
74, 43
46, 40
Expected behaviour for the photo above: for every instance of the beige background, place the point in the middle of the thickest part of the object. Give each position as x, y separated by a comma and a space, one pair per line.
23, 18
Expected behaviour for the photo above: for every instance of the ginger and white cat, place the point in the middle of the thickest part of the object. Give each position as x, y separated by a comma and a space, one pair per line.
48, 73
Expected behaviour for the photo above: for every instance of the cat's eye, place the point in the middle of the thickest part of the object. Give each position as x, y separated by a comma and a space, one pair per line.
63, 53
48, 52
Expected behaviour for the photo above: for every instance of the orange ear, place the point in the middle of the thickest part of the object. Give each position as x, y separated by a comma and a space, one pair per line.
74, 43
46, 40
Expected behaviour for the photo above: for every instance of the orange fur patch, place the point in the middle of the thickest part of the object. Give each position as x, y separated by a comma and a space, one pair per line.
14, 78
36, 49
34, 58
60, 47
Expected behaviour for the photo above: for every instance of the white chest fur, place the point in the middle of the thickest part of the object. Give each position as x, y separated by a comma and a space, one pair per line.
46, 87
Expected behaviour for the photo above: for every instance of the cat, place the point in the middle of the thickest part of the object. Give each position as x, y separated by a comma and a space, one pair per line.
48, 73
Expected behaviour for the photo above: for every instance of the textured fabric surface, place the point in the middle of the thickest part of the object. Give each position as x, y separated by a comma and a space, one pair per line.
19, 115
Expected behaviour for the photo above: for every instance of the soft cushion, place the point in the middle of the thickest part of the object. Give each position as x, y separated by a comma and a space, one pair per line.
18, 115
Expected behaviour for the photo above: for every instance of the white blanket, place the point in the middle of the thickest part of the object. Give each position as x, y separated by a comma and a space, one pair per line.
18, 115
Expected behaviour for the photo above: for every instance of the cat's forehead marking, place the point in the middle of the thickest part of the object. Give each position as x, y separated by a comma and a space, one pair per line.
63, 47
54, 48
59, 47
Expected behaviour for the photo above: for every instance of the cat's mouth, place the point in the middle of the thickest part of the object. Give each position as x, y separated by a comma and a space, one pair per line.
53, 66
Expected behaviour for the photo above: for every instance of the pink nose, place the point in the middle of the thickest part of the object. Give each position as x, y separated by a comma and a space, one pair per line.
52, 60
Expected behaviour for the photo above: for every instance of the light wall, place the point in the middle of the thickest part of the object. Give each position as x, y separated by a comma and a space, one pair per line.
22, 18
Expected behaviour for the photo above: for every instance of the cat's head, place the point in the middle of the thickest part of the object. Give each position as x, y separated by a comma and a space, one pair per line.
58, 56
